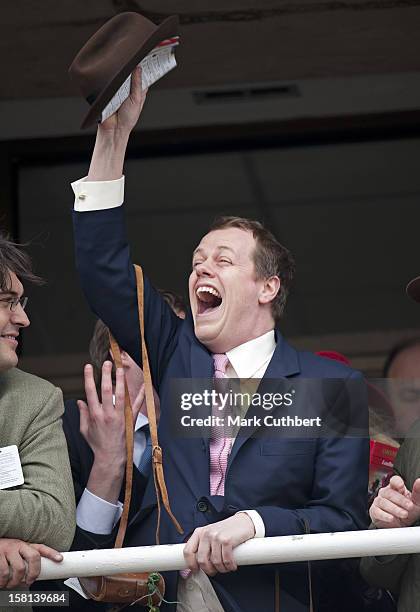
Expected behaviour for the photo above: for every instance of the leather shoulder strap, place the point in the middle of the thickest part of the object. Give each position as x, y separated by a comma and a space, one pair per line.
129, 437
157, 455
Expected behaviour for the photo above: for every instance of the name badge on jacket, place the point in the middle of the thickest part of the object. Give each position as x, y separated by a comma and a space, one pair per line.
11, 474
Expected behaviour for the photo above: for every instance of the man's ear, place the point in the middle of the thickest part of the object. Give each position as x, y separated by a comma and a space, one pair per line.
269, 290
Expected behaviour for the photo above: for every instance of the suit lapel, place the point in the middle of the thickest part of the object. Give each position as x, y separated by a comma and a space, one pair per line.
202, 368
283, 365
201, 361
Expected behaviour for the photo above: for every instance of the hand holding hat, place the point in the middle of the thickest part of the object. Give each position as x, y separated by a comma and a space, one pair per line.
129, 112
112, 136
109, 57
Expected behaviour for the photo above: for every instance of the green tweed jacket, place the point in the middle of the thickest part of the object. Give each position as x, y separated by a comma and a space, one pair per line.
400, 573
41, 510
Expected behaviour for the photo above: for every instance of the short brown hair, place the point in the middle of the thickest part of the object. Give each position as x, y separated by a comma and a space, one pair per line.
174, 300
270, 257
99, 351
14, 259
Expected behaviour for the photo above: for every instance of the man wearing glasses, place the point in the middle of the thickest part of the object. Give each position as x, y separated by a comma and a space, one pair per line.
36, 490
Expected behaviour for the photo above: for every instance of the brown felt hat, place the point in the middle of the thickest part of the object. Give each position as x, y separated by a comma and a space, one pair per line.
112, 53
413, 289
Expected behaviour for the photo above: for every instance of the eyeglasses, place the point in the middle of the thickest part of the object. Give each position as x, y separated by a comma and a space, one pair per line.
12, 303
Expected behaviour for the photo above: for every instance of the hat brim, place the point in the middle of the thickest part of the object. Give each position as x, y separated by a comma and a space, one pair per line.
413, 289
167, 29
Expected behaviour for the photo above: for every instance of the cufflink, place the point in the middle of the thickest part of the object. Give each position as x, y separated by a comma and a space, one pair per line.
81, 196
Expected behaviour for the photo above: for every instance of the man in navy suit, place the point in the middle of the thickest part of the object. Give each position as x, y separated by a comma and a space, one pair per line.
223, 491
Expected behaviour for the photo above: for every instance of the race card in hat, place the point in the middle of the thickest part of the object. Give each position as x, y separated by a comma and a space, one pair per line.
109, 57
413, 289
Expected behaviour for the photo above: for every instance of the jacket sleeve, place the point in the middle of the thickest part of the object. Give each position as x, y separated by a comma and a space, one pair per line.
338, 500
42, 510
387, 571
85, 540
108, 281
80, 454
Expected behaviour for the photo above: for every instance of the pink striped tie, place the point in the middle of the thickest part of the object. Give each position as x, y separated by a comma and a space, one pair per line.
219, 444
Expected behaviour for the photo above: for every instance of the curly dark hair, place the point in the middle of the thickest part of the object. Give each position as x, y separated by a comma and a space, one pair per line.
14, 259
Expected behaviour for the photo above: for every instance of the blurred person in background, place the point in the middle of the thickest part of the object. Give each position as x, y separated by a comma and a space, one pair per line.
349, 591
402, 368
381, 419
398, 504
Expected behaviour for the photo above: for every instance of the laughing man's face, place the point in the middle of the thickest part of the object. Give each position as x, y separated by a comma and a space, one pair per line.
225, 296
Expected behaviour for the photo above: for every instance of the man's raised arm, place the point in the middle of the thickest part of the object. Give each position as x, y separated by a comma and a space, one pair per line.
113, 134
102, 252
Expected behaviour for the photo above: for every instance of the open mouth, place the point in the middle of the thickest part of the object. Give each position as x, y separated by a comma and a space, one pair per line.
208, 300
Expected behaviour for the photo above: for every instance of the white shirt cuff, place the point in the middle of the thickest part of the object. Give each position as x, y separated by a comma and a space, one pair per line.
97, 195
97, 515
258, 522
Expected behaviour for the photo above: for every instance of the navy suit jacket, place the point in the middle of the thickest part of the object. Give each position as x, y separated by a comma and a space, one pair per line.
291, 483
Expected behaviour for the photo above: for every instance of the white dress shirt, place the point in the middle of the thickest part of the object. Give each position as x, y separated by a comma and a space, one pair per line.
249, 360
98, 195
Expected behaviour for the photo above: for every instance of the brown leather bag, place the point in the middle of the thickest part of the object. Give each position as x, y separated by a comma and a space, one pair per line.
142, 587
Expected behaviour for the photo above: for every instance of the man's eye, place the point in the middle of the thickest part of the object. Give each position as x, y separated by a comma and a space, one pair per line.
224, 260
196, 263
410, 395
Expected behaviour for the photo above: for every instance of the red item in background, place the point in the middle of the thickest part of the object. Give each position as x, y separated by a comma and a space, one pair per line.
381, 465
334, 355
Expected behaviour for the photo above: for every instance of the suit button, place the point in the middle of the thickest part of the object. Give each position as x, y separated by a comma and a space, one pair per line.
202, 506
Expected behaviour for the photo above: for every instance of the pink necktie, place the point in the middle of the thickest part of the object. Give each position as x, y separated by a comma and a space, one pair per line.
219, 444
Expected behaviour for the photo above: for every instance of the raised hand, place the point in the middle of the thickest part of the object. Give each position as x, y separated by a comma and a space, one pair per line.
102, 424
113, 134
395, 505
126, 117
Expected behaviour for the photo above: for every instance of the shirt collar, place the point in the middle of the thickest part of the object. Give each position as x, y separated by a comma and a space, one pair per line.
248, 358
141, 421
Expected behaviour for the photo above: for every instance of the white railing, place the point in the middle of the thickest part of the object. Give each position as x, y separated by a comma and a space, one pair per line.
254, 552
